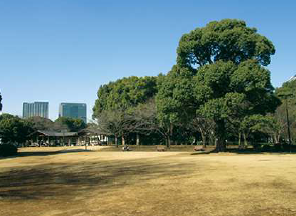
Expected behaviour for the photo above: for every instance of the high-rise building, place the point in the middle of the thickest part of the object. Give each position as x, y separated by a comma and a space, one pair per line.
0, 103
35, 109
73, 110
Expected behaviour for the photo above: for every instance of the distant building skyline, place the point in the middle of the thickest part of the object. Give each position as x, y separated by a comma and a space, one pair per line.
35, 109
73, 110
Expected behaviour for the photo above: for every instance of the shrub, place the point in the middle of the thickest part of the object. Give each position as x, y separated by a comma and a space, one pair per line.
7, 150
288, 148
257, 146
277, 147
266, 148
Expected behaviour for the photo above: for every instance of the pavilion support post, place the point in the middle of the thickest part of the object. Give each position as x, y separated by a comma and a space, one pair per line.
138, 140
85, 143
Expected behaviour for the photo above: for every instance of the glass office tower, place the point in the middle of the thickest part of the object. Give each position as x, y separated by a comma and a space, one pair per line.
73, 110
35, 109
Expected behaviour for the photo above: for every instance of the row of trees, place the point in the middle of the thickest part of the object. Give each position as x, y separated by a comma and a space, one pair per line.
218, 90
16, 130
288, 97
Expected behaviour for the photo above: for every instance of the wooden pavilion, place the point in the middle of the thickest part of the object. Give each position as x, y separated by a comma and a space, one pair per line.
92, 136
53, 138
87, 136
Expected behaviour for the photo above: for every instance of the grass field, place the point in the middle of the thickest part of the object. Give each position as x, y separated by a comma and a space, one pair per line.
73, 182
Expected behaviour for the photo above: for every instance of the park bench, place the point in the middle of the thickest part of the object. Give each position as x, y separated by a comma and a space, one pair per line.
198, 148
161, 148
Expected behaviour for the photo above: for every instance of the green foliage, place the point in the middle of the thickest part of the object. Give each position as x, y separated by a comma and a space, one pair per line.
174, 99
121, 106
287, 94
13, 129
70, 124
7, 150
212, 81
248, 81
253, 123
124, 93
39, 123
226, 40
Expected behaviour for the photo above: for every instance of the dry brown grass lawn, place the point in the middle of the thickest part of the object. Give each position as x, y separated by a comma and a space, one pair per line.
99, 183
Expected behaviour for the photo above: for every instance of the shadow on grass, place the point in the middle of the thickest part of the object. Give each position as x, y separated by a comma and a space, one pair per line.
57, 181
45, 153
245, 151
150, 148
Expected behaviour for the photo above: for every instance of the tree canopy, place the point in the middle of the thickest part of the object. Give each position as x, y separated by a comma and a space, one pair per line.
69, 124
14, 129
218, 84
40, 123
225, 40
124, 93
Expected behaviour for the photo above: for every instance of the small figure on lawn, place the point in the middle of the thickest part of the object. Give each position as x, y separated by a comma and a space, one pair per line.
125, 148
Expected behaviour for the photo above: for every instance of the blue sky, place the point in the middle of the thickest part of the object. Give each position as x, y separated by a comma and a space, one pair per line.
63, 50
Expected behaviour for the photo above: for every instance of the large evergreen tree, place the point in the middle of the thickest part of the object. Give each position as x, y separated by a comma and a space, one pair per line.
229, 80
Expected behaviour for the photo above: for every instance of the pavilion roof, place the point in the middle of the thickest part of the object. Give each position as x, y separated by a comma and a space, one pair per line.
49, 133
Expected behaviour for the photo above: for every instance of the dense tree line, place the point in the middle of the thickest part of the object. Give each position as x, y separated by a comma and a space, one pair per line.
218, 90
287, 94
16, 130
127, 106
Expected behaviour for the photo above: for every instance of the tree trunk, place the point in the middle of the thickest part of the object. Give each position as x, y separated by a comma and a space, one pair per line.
123, 140
220, 141
239, 139
215, 140
275, 139
245, 140
138, 140
278, 138
168, 142
116, 141
220, 145
170, 136
204, 140
193, 142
